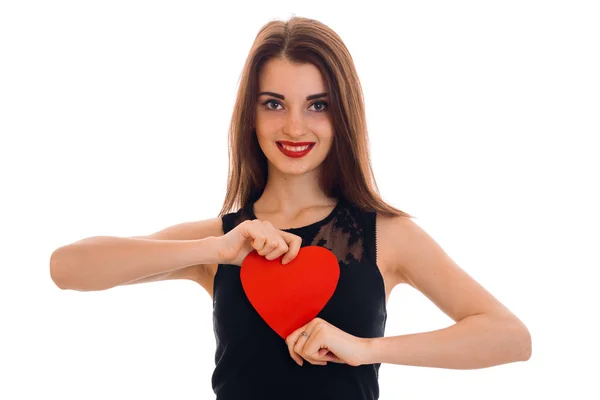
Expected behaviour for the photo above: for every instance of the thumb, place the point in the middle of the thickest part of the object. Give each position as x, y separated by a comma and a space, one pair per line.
326, 355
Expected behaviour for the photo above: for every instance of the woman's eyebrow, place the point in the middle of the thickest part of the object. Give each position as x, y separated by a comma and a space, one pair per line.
282, 97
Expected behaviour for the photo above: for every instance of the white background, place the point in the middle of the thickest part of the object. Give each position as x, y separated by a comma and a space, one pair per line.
114, 115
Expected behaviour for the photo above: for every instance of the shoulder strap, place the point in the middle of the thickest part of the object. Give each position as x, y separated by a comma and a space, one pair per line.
227, 221
369, 219
231, 220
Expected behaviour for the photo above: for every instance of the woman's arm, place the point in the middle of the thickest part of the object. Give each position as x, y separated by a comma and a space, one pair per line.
486, 333
103, 262
477, 341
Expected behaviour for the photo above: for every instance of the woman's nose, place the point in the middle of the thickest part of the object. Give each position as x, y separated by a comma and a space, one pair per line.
294, 124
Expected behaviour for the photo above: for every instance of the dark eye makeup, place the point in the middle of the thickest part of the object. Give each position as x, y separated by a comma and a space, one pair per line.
273, 101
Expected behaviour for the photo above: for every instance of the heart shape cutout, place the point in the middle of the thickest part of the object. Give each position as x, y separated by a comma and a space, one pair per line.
291, 295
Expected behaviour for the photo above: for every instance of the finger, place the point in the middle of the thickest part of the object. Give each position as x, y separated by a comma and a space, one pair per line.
256, 233
296, 342
291, 342
271, 244
272, 240
326, 355
280, 249
301, 348
294, 243
280, 246
311, 349
261, 242
297, 347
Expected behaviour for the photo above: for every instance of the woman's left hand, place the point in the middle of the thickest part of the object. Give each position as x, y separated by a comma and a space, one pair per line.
324, 342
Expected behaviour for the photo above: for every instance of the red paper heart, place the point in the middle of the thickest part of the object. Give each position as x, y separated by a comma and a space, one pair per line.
291, 295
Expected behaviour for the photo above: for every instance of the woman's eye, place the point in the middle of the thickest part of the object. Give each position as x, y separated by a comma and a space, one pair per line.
322, 105
270, 102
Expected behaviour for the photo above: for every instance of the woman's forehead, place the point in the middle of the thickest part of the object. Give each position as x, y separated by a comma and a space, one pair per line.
291, 79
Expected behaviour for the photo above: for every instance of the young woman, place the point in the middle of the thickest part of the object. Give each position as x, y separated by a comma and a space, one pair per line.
300, 175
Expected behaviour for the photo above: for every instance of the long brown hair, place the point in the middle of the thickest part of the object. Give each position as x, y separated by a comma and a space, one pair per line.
346, 172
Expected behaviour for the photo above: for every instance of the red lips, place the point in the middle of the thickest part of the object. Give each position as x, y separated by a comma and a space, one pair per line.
292, 153
295, 143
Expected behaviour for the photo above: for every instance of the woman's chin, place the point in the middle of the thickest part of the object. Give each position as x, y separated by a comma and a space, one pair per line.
293, 170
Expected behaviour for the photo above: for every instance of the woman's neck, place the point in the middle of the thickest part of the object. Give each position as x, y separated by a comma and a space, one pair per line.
291, 194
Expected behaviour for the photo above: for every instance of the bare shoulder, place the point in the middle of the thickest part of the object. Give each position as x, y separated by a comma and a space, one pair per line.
394, 234
420, 261
191, 230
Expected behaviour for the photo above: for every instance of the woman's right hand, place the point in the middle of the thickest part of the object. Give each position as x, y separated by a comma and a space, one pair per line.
258, 235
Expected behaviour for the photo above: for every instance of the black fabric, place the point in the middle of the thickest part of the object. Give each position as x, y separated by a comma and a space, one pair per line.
253, 362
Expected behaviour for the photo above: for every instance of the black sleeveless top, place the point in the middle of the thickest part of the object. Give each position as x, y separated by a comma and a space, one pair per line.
253, 362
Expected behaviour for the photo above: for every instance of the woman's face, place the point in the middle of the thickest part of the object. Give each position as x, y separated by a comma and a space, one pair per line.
293, 122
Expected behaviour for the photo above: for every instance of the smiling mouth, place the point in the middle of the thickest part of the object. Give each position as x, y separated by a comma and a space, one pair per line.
295, 150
